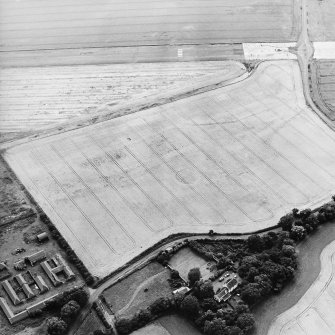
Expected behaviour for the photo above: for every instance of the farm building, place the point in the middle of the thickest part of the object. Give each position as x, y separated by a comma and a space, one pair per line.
10, 291
60, 267
20, 265
43, 237
25, 287
4, 271
43, 287
37, 256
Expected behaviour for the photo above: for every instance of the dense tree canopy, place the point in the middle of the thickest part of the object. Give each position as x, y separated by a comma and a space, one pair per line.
56, 326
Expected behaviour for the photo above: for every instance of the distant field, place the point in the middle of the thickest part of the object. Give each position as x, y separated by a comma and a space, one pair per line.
321, 20
35, 32
323, 85
37, 97
233, 159
314, 313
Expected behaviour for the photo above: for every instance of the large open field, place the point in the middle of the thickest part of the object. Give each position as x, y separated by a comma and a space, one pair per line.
314, 313
323, 86
233, 159
39, 33
32, 98
321, 20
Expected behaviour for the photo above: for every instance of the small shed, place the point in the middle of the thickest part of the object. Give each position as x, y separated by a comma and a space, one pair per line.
43, 237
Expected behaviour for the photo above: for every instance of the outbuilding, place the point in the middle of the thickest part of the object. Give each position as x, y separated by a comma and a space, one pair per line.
43, 237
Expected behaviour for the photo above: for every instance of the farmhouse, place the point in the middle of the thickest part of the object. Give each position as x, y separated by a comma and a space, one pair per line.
10, 291
37, 256
60, 268
225, 293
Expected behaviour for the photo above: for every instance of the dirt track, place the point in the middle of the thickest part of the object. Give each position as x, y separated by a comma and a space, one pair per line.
191, 165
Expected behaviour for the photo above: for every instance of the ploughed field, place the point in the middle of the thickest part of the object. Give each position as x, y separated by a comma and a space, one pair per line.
314, 312
233, 159
324, 85
39, 33
33, 98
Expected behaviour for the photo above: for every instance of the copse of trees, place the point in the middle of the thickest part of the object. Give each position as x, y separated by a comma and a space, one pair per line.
56, 326
67, 305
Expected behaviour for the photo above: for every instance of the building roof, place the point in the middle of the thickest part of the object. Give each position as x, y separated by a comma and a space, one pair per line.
23, 283
43, 236
182, 290
232, 284
10, 291
43, 287
223, 295
37, 256
6, 309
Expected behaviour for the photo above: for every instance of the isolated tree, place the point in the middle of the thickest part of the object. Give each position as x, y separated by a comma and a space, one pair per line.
190, 306
245, 321
194, 275
56, 326
69, 310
